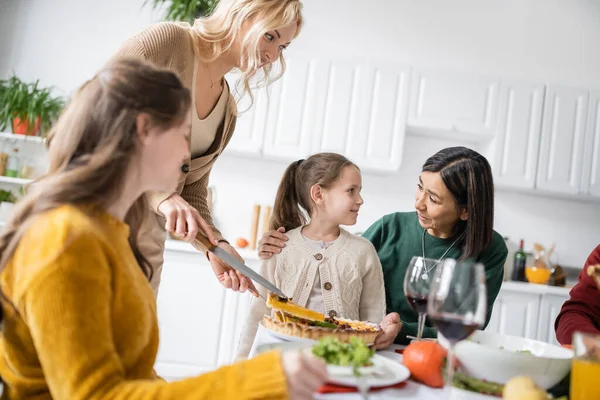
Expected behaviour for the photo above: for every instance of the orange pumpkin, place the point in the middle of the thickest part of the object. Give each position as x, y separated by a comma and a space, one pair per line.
425, 359
241, 243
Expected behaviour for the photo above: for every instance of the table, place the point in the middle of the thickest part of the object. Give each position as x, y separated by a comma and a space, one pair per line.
412, 390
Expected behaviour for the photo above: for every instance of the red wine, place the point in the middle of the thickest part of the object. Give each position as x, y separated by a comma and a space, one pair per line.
418, 303
453, 329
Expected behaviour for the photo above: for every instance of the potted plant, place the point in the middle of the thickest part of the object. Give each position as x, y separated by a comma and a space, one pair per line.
7, 200
185, 10
27, 106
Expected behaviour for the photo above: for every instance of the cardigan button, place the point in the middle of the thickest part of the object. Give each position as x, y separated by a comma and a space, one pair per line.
332, 313
185, 168
327, 285
318, 256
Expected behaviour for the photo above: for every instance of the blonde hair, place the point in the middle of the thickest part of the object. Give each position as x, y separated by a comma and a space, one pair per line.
221, 28
92, 145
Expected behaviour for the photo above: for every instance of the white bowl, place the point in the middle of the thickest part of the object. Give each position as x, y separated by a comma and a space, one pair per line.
498, 358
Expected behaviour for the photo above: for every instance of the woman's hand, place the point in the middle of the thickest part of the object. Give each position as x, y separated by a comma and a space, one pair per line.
183, 220
272, 242
230, 278
304, 373
390, 327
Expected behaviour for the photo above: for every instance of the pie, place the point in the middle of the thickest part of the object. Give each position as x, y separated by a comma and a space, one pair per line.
293, 320
594, 272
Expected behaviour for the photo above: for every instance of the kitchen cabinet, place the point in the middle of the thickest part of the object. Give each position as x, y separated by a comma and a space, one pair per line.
515, 313
527, 310
591, 170
199, 321
364, 114
453, 105
293, 104
516, 144
550, 306
563, 140
251, 121
341, 106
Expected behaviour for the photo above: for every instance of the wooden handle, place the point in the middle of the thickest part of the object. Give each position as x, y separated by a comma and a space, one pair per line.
266, 218
205, 242
254, 226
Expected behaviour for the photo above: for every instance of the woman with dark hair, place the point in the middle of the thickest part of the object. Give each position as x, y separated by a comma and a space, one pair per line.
454, 218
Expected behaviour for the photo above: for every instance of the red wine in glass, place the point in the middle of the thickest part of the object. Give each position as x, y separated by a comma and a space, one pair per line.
454, 328
457, 303
417, 302
417, 279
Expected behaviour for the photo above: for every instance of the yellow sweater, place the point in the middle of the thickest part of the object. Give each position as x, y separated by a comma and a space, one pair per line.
84, 323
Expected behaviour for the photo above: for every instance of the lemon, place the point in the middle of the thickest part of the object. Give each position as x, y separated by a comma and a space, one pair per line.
522, 388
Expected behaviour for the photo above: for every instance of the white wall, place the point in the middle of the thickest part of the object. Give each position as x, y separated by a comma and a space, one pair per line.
64, 41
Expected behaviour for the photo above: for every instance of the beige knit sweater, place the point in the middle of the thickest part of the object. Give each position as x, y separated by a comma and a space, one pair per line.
171, 45
351, 280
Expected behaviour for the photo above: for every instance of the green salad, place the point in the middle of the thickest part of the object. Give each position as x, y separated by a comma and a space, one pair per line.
355, 354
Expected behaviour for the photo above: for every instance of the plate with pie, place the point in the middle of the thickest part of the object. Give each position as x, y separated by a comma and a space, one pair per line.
291, 322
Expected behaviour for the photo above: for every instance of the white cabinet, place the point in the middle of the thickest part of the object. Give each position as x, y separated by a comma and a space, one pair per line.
364, 114
453, 104
591, 169
527, 310
516, 144
251, 121
563, 140
293, 104
515, 313
550, 306
199, 321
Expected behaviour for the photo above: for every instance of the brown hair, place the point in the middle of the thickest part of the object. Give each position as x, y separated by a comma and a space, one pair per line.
468, 176
293, 201
92, 143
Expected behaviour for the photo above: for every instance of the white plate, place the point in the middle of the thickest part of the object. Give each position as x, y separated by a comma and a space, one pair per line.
289, 338
388, 373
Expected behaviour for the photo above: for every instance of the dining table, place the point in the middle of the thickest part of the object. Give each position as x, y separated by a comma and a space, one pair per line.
410, 390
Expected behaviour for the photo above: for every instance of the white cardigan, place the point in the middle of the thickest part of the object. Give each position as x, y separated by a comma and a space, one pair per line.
351, 280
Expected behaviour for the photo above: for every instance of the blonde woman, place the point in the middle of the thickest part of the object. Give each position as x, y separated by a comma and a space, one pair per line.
249, 35
79, 315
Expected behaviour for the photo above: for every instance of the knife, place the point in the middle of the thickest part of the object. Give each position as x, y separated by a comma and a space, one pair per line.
239, 266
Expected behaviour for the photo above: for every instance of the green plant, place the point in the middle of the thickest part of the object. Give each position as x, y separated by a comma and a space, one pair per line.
184, 10
28, 102
7, 196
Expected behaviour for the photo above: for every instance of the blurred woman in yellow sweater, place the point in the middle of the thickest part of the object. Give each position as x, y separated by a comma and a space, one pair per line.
79, 313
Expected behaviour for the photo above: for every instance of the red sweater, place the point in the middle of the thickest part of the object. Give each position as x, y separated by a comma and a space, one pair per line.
582, 311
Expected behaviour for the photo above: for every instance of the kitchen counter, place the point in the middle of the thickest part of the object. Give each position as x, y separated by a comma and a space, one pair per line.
535, 288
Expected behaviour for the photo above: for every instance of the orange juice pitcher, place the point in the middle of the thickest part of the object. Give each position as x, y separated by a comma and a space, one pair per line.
586, 367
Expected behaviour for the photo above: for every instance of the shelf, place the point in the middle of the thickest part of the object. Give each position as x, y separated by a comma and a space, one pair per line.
22, 138
15, 181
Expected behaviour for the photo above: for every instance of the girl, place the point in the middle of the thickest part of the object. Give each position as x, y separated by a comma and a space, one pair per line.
453, 217
322, 267
249, 35
79, 314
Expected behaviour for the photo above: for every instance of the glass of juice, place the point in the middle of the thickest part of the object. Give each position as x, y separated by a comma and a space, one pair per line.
586, 367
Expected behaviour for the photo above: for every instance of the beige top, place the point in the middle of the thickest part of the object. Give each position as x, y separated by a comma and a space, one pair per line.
350, 272
171, 45
204, 130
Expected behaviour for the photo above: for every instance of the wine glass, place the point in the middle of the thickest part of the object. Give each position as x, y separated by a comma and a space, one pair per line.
457, 303
416, 287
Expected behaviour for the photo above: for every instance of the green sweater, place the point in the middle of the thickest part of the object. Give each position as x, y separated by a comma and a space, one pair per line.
397, 238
